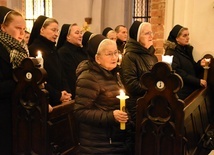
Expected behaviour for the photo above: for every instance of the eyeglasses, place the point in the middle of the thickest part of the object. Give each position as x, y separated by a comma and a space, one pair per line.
115, 53
148, 33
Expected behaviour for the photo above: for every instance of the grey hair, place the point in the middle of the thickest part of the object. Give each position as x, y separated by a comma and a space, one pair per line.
141, 27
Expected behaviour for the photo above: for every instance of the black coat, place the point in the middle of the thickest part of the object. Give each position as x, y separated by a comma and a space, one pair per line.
121, 45
56, 80
184, 65
70, 57
136, 61
96, 100
7, 86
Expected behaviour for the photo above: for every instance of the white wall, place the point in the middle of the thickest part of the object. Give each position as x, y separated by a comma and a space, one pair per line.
103, 12
198, 16
71, 11
113, 13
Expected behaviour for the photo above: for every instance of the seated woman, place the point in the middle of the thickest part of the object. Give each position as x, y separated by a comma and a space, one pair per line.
43, 38
12, 52
183, 62
97, 107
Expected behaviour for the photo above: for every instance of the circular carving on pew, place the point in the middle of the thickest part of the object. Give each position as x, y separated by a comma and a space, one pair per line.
28, 75
160, 85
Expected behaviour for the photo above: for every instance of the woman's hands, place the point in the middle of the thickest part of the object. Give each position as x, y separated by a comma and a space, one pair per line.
120, 116
65, 96
203, 83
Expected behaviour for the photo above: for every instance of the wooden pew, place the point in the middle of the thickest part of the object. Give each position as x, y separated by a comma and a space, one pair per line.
199, 112
160, 115
197, 119
166, 125
35, 130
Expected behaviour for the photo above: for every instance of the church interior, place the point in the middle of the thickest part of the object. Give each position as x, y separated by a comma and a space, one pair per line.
165, 124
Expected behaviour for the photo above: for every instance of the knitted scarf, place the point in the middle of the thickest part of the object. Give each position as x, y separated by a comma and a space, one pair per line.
17, 50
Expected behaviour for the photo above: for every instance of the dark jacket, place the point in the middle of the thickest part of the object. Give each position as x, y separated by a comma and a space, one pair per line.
96, 100
55, 81
137, 60
120, 45
183, 63
70, 57
7, 86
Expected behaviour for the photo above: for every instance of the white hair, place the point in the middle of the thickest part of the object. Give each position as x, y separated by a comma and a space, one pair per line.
142, 25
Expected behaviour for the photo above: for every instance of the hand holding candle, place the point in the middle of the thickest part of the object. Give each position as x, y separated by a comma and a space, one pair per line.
122, 98
40, 59
206, 63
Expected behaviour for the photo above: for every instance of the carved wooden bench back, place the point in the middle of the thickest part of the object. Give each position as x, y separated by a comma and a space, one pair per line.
159, 123
35, 131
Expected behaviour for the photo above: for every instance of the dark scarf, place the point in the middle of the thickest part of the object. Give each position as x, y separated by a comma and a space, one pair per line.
17, 50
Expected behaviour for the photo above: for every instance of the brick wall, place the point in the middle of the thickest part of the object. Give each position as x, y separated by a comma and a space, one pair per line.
3, 2
157, 21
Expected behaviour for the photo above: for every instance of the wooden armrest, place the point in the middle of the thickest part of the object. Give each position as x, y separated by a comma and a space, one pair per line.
61, 109
192, 97
194, 100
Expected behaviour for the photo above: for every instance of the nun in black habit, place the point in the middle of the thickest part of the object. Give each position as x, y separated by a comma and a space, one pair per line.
183, 62
43, 38
71, 52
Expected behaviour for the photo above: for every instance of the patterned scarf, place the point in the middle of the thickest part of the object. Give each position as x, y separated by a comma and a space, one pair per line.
17, 50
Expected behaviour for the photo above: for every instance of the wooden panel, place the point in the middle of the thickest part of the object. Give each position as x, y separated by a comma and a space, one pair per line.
62, 129
30, 110
196, 118
160, 115
35, 130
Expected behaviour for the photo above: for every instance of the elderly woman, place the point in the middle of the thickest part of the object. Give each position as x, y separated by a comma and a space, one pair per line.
97, 107
13, 51
183, 63
43, 38
138, 59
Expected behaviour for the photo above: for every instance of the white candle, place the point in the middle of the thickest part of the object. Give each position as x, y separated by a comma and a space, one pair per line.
206, 67
122, 98
40, 59
207, 61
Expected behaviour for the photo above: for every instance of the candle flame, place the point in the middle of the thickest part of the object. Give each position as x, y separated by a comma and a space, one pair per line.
39, 54
207, 59
122, 93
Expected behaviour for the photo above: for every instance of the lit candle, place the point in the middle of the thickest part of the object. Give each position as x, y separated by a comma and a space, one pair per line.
40, 59
206, 67
207, 61
122, 98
